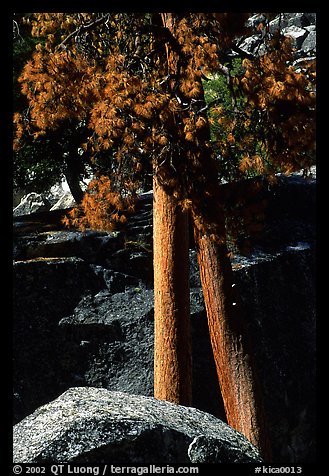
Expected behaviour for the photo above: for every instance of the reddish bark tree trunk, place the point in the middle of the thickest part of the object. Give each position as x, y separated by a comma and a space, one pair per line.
236, 372
172, 341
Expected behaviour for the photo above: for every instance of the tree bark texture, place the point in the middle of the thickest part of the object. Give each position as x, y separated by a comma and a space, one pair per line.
232, 352
236, 370
172, 341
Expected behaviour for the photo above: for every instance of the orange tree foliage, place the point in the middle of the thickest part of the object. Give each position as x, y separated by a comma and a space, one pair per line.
111, 71
101, 208
285, 100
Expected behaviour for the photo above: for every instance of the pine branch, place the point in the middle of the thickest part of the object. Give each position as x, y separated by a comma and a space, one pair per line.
83, 28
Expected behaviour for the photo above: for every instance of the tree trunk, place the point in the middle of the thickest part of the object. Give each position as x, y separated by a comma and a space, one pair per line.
172, 341
236, 372
172, 337
72, 177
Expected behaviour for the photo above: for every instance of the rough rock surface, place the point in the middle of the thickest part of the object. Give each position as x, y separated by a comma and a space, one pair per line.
92, 425
300, 27
279, 304
31, 203
65, 201
92, 326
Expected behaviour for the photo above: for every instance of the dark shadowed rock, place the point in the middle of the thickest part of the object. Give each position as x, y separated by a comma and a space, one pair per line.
94, 246
108, 341
283, 332
92, 425
45, 290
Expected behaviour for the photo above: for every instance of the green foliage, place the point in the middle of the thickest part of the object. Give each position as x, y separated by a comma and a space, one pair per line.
226, 112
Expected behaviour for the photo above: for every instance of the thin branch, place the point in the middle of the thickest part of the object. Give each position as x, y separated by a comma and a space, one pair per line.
16, 32
242, 53
83, 28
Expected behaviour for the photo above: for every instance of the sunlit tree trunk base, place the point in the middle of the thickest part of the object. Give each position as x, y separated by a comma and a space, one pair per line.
172, 341
239, 384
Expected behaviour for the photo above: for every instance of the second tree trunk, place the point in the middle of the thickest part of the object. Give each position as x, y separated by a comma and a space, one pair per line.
172, 340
